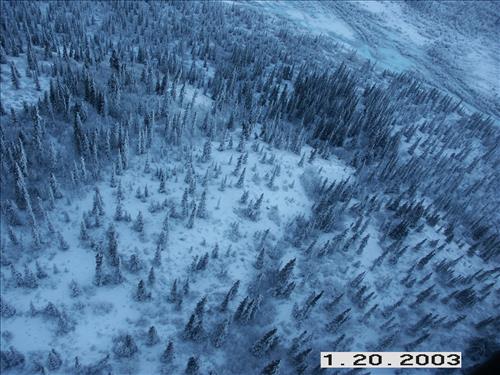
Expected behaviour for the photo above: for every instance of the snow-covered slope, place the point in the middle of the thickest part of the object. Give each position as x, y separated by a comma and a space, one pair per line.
452, 45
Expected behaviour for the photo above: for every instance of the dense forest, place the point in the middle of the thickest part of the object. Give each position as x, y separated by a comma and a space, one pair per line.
196, 187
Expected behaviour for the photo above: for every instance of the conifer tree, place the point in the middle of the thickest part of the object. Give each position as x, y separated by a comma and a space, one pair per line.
153, 338
54, 187
40, 272
139, 223
125, 346
215, 251
162, 187
114, 61
184, 203
190, 222
239, 163
244, 197
98, 204
113, 246
151, 276
253, 209
54, 361
22, 196
119, 213
220, 333
134, 263
259, 263
112, 180
168, 354
272, 368
37, 133
98, 269
266, 343
193, 366
230, 295
241, 143
14, 76
119, 191
207, 151
202, 208
119, 164
84, 235
241, 180
157, 257
29, 279
21, 158
142, 294
63, 245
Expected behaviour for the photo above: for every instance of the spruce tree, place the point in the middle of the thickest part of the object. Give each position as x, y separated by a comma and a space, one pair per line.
125, 346
265, 344
139, 223
21, 192
113, 246
193, 366
207, 151
202, 208
153, 338
220, 333
84, 235
157, 257
14, 76
190, 222
241, 143
98, 204
259, 263
272, 368
54, 361
98, 269
114, 61
142, 294
119, 213
241, 180
168, 354
151, 276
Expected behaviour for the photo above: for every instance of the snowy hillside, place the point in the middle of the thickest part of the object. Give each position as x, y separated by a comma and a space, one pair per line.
232, 188
452, 47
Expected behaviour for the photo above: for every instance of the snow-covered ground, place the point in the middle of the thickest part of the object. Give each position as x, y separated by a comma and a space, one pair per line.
103, 313
28, 93
106, 312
